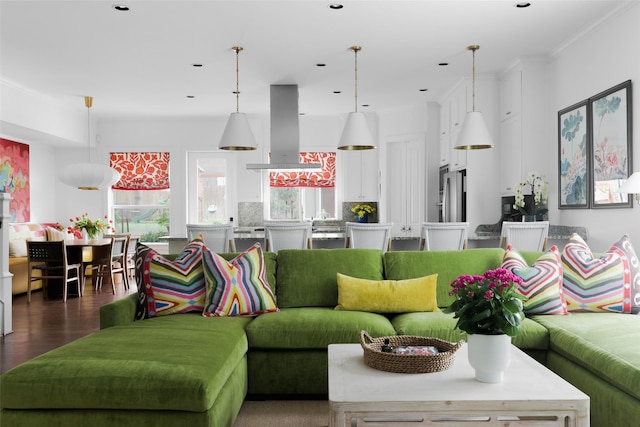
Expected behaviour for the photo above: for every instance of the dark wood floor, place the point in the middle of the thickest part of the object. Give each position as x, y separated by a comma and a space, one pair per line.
43, 325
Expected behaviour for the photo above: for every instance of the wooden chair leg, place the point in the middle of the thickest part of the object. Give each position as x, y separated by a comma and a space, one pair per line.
29, 288
113, 281
79, 282
65, 286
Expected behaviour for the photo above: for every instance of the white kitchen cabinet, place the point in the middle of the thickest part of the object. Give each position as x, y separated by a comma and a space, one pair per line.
360, 176
510, 148
453, 111
511, 94
444, 150
406, 184
522, 120
457, 158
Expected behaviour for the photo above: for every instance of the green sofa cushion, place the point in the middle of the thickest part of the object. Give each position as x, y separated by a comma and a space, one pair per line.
222, 413
314, 328
400, 265
532, 336
178, 362
308, 277
434, 324
607, 344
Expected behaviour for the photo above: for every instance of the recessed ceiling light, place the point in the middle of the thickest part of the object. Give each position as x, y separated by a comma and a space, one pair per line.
121, 7
443, 64
423, 90
337, 91
196, 65
364, 105
522, 5
190, 96
335, 6
321, 65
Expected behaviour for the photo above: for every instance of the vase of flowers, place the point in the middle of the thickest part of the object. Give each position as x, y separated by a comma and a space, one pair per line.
362, 212
91, 230
489, 309
532, 206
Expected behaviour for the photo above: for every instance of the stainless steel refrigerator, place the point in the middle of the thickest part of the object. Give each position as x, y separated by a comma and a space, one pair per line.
453, 196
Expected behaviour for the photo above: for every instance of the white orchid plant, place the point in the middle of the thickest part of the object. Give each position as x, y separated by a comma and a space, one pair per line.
538, 189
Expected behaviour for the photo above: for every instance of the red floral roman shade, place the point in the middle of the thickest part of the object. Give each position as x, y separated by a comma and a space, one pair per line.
317, 179
141, 171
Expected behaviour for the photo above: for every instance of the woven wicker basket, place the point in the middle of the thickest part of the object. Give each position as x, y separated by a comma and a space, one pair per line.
405, 363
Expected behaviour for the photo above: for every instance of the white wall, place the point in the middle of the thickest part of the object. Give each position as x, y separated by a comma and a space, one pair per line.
600, 59
180, 136
604, 57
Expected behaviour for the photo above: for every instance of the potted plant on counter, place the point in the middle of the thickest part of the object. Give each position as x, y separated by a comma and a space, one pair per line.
362, 212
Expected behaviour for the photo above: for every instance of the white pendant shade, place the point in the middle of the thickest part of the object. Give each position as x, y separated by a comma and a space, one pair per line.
237, 134
474, 134
89, 176
356, 134
631, 185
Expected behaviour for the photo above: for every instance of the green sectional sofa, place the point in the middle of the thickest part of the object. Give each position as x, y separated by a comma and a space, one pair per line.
186, 369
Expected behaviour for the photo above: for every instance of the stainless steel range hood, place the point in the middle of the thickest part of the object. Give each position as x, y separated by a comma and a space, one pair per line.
285, 131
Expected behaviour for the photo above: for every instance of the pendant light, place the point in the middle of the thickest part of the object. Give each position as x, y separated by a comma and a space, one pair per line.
632, 186
89, 176
474, 134
237, 135
356, 134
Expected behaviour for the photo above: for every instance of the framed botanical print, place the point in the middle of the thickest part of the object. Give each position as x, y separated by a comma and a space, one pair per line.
573, 156
610, 114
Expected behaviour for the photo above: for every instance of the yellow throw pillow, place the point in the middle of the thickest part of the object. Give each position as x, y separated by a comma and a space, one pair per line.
387, 296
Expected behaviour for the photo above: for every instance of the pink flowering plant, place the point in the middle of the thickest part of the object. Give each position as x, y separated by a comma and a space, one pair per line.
489, 304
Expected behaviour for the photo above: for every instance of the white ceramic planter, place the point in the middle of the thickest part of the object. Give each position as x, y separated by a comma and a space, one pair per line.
490, 356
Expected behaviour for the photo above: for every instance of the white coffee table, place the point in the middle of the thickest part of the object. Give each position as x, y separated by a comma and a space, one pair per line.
530, 395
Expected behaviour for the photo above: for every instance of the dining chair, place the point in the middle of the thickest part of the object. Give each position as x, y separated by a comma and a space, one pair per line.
218, 238
368, 235
109, 260
131, 255
528, 236
444, 236
287, 235
124, 261
50, 258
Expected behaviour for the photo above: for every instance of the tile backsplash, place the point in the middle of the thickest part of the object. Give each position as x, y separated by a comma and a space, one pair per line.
250, 214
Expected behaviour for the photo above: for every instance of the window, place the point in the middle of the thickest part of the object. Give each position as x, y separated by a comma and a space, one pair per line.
209, 187
300, 195
212, 191
141, 197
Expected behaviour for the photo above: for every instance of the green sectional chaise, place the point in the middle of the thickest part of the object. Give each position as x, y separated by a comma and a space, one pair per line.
186, 369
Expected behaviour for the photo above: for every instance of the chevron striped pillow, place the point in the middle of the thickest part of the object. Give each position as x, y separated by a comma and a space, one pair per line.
631, 263
541, 282
169, 287
238, 287
594, 284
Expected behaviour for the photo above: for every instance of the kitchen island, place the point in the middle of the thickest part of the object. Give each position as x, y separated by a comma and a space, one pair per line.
488, 235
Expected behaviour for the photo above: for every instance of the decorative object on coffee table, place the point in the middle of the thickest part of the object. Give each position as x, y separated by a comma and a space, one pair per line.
488, 305
408, 363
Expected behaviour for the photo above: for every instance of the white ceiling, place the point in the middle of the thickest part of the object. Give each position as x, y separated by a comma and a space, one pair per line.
139, 63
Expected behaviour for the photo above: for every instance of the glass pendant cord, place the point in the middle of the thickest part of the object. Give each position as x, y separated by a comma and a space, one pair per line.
355, 50
88, 102
237, 49
473, 49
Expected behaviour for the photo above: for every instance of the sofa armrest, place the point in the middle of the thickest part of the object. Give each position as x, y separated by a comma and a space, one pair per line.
120, 312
